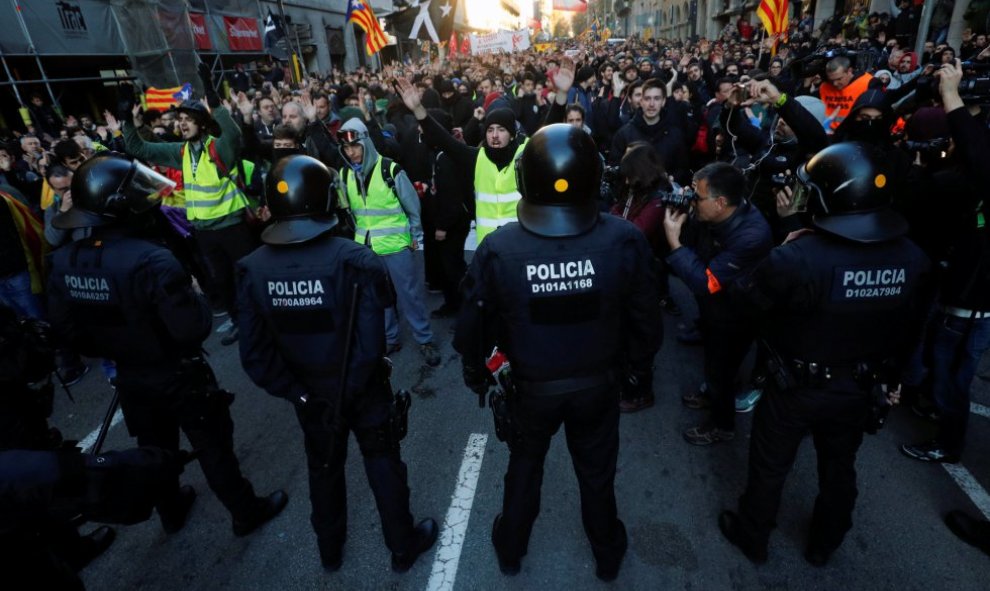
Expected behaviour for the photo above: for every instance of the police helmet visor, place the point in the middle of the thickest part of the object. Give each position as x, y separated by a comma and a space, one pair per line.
351, 136
145, 188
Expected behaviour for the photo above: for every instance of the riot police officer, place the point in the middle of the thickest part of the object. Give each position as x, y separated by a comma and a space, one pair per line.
121, 296
312, 332
570, 297
844, 300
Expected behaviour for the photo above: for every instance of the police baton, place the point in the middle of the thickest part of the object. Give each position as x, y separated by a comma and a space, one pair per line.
345, 369
105, 427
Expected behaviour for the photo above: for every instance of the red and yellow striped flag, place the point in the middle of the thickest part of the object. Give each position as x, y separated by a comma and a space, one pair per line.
359, 12
773, 14
163, 98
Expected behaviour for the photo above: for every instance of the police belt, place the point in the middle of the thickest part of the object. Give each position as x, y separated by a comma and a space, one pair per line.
566, 385
817, 375
964, 313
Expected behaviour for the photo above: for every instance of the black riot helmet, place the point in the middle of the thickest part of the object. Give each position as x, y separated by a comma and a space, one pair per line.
847, 191
300, 196
110, 189
559, 176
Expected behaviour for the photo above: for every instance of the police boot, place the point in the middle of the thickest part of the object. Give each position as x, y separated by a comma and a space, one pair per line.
263, 511
90, 546
728, 523
608, 569
509, 567
975, 532
174, 514
424, 536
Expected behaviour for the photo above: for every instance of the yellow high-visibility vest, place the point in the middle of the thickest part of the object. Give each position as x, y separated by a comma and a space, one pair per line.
495, 193
379, 220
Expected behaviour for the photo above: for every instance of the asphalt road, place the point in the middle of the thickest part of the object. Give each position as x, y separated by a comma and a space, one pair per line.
669, 494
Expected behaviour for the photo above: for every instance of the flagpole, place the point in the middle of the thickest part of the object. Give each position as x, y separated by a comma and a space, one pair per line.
763, 36
288, 38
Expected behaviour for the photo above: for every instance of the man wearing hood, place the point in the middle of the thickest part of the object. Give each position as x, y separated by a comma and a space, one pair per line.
458, 105
496, 194
387, 219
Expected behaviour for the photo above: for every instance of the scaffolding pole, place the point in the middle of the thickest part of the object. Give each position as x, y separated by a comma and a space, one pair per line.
34, 52
10, 77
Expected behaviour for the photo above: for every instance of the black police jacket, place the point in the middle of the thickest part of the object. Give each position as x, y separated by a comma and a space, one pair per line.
562, 307
293, 304
837, 302
716, 256
126, 299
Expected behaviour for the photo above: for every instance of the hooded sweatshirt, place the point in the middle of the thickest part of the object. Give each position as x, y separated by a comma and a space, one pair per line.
404, 190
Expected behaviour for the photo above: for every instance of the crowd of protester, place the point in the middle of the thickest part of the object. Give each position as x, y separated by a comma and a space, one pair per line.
659, 111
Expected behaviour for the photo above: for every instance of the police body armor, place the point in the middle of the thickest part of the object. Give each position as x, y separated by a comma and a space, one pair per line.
561, 305
857, 304
97, 275
305, 294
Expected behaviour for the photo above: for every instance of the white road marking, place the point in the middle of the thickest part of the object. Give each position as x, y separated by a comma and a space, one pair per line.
979, 409
970, 486
456, 522
225, 327
88, 441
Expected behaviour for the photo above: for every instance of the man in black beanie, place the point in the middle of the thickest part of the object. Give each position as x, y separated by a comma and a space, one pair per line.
491, 167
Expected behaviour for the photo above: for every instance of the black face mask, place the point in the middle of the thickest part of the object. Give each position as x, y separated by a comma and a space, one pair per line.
872, 131
279, 153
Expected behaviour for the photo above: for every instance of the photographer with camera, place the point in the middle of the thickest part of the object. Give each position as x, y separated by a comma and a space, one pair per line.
732, 239
797, 133
960, 326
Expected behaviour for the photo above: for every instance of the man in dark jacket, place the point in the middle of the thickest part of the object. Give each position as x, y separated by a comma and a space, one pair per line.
653, 125
734, 239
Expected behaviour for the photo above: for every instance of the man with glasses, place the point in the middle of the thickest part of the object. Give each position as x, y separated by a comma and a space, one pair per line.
734, 238
841, 88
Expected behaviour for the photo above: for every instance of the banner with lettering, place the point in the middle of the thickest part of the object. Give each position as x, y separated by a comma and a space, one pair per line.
500, 42
60, 27
198, 22
242, 33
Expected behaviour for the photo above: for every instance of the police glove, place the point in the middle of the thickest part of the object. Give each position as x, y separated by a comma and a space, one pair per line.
206, 76
123, 486
477, 378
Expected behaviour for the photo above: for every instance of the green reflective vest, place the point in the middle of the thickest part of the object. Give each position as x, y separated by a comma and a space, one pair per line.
495, 193
379, 219
208, 196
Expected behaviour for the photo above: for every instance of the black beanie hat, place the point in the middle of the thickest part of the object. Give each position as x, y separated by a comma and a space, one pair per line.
584, 73
503, 117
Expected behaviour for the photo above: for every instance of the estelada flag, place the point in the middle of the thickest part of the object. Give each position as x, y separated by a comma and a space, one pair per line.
773, 15
164, 98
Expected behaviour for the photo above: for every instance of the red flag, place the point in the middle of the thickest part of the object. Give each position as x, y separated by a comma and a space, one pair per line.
452, 46
465, 44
